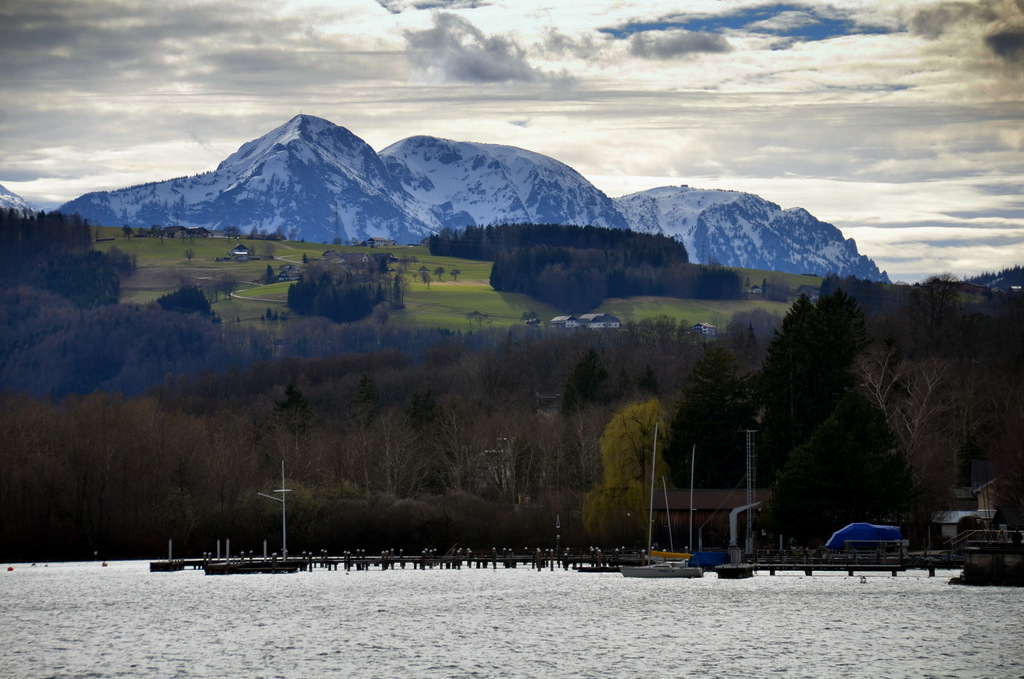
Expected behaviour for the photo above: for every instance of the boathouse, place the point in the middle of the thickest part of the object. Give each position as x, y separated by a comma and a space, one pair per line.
711, 508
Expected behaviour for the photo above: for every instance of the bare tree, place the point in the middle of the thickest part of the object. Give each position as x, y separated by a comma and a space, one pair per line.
189, 254
227, 283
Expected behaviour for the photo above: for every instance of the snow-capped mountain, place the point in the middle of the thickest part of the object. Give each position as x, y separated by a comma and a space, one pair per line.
307, 179
481, 184
741, 229
314, 180
13, 201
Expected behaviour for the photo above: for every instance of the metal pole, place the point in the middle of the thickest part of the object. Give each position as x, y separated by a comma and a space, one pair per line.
693, 459
751, 481
650, 511
284, 524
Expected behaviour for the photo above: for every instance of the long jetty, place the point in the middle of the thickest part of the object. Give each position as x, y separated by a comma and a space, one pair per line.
592, 560
585, 561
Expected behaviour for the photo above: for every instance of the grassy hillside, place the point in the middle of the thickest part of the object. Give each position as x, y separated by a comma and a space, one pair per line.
463, 304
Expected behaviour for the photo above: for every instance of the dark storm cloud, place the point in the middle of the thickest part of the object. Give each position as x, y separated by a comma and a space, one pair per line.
1008, 45
673, 44
1004, 22
105, 47
462, 52
946, 17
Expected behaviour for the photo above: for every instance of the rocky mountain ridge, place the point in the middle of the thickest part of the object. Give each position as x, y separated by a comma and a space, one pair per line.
311, 179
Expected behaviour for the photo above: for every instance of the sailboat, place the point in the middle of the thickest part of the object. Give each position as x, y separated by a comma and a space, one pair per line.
671, 564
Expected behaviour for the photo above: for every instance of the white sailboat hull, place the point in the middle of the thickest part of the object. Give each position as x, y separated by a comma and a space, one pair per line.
662, 570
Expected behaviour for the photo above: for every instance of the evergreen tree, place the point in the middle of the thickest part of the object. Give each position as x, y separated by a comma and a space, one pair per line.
584, 382
849, 470
809, 367
715, 409
295, 412
365, 402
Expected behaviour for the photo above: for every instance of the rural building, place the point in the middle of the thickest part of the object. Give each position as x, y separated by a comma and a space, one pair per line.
711, 508
378, 243
599, 321
239, 253
705, 329
564, 322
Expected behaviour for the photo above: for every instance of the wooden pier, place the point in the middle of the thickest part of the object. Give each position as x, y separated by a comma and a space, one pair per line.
579, 560
582, 561
850, 562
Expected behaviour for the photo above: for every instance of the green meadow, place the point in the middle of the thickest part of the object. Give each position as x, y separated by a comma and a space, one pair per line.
464, 303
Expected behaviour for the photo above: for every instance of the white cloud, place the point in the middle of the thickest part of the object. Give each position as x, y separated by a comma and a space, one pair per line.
899, 123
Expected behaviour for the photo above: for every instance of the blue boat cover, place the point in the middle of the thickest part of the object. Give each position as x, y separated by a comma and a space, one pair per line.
707, 560
863, 535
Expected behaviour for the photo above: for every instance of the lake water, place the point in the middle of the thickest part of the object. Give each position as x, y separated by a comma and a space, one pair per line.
83, 620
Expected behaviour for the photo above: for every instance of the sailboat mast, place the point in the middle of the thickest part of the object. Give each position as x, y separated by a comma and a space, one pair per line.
668, 518
650, 510
693, 458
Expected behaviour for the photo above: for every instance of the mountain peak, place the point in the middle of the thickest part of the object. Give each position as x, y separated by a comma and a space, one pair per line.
315, 180
13, 201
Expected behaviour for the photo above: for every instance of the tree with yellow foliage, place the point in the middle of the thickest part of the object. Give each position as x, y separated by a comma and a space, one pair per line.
617, 509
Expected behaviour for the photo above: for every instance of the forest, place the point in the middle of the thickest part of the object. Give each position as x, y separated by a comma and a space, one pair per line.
871, 409
574, 267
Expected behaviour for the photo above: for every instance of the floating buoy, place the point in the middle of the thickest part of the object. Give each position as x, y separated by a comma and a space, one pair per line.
104, 564
10, 568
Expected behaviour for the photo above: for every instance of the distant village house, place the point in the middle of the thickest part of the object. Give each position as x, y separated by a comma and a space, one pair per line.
594, 321
239, 253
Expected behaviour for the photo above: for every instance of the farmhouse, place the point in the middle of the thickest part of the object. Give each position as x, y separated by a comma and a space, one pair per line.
705, 329
599, 321
378, 243
564, 322
346, 258
239, 253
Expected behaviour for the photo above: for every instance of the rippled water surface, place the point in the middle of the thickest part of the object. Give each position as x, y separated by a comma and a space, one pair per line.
82, 620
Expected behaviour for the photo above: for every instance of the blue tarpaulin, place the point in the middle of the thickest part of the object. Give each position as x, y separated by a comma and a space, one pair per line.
863, 535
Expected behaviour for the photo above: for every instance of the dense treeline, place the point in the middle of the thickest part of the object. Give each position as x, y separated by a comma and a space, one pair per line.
869, 402
381, 449
1007, 278
339, 302
578, 280
187, 300
54, 252
485, 439
574, 267
485, 242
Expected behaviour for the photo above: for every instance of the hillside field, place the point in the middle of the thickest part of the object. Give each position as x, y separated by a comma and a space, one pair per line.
468, 303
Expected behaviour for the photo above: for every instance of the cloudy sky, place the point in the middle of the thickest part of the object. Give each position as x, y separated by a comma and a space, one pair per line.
902, 123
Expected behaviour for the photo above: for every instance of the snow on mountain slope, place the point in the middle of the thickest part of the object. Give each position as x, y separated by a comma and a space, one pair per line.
314, 180
479, 184
741, 229
307, 179
13, 201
